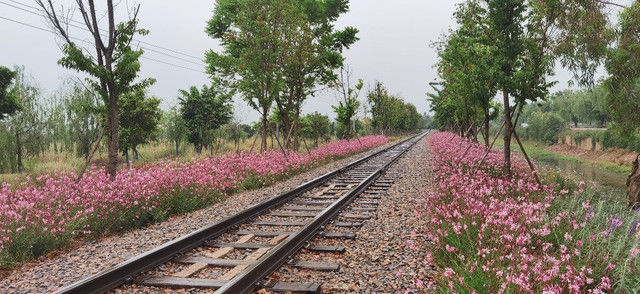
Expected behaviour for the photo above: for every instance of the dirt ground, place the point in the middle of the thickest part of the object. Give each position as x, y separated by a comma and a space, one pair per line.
618, 156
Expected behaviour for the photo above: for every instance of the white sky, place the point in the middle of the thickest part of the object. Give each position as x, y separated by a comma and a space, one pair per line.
394, 47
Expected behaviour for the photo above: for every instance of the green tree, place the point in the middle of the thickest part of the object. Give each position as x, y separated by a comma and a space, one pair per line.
84, 118
174, 127
27, 126
468, 70
278, 51
113, 69
623, 84
204, 111
8, 103
315, 126
252, 33
349, 104
139, 120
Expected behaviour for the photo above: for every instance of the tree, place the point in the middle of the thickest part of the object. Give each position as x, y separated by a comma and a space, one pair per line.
348, 105
623, 84
27, 125
139, 119
114, 67
204, 111
315, 126
8, 103
468, 69
278, 51
252, 32
390, 113
84, 114
175, 127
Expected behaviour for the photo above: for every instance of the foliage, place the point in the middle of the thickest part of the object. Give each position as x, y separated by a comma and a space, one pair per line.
175, 128
8, 103
348, 106
544, 127
139, 119
83, 118
390, 113
497, 233
36, 218
623, 66
25, 128
315, 126
467, 68
114, 68
278, 51
204, 111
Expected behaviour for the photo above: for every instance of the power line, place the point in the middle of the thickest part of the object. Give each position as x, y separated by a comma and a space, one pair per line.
39, 12
85, 41
85, 29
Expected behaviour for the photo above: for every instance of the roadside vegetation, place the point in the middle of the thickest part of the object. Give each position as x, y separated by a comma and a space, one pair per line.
495, 232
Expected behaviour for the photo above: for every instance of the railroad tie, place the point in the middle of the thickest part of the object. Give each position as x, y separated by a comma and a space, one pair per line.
253, 256
222, 252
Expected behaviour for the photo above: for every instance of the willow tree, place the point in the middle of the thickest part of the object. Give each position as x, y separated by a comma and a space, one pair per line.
114, 67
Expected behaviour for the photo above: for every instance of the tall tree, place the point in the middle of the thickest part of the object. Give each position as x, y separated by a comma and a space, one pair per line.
468, 69
8, 103
623, 65
348, 104
114, 67
252, 33
278, 51
204, 111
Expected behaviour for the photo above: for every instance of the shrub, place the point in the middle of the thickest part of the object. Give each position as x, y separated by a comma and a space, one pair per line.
544, 127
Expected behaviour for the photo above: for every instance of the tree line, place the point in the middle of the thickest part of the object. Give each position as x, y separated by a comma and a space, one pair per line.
276, 54
510, 48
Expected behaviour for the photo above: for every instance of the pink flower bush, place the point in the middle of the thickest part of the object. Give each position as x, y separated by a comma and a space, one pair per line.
495, 233
43, 214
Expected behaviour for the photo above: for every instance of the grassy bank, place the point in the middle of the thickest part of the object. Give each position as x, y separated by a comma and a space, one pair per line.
539, 151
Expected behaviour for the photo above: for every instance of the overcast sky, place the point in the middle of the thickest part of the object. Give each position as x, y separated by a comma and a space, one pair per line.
394, 47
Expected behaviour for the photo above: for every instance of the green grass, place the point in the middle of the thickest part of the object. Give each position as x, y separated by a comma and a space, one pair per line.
537, 151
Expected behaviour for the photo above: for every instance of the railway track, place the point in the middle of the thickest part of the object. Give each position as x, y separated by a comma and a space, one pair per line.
241, 251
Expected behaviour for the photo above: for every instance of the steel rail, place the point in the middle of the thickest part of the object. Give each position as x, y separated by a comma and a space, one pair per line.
123, 272
246, 281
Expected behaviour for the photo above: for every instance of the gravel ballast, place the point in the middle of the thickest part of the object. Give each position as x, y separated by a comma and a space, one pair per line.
91, 257
387, 256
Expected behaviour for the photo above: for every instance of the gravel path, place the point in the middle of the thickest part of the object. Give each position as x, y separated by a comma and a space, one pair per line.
386, 256
91, 257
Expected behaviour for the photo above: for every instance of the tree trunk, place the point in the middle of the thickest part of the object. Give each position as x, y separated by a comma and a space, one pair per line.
347, 133
507, 134
19, 152
265, 121
633, 185
112, 122
486, 127
296, 131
